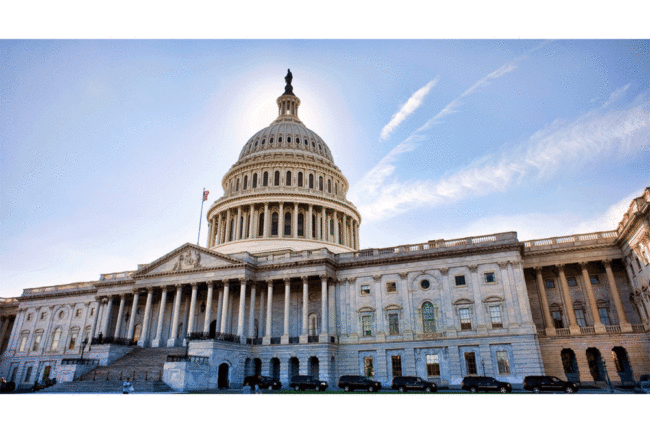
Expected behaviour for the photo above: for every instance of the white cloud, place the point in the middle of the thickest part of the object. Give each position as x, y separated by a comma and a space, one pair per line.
616, 95
407, 109
591, 136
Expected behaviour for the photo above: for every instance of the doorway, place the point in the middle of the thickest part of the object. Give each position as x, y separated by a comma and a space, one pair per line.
222, 380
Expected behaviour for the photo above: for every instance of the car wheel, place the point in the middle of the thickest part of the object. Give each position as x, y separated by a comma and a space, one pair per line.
346, 389
402, 389
503, 390
569, 390
428, 389
473, 389
536, 390
297, 388
371, 388
317, 387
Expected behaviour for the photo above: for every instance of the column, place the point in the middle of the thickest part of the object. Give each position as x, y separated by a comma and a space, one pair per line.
331, 306
238, 225
599, 328
323, 229
568, 304
324, 325
616, 297
281, 221
107, 318
550, 328
287, 292
251, 312
161, 316
305, 307
217, 236
192, 312
134, 311
120, 317
345, 230
93, 327
294, 228
309, 228
226, 237
269, 313
224, 311
208, 308
171, 342
210, 231
251, 223
242, 307
219, 312
261, 321
266, 220
144, 336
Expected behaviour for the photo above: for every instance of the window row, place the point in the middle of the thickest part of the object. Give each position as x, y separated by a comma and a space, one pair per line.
391, 286
285, 179
579, 311
304, 142
572, 281
60, 315
54, 341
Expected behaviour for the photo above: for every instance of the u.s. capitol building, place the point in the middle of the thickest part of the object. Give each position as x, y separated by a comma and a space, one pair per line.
283, 289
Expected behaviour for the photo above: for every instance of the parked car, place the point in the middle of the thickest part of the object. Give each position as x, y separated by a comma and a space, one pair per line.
350, 383
643, 385
413, 383
548, 383
264, 382
484, 383
301, 383
6, 387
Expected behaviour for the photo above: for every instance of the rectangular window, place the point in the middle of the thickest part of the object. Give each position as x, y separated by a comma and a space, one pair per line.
396, 361
92, 312
391, 287
465, 319
495, 316
366, 326
433, 365
368, 368
393, 324
549, 284
594, 279
29, 317
580, 317
365, 290
557, 319
470, 363
23, 343
42, 316
460, 280
28, 374
604, 315
73, 339
37, 341
571, 281
503, 362
77, 313
489, 277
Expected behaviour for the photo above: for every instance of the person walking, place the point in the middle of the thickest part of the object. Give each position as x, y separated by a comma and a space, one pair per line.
246, 389
127, 387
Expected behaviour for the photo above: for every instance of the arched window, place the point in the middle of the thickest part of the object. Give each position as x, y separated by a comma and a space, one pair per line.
311, 180
287, 224
245, 182
255, 180
301, 225
299, 179
329, 186
56, 337
277, 178
237, 185
428, 318
74, 335
320, 183
313, 226
288, 179
38, 335
332, 228
274, 224
265, 181
23, 341
260, 225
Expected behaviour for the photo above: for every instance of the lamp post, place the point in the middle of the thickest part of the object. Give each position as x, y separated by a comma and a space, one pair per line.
83, 347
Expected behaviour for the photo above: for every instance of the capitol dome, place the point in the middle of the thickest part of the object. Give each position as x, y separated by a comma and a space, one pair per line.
284, 193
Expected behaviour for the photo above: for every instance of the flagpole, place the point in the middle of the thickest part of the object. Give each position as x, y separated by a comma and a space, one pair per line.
200, 216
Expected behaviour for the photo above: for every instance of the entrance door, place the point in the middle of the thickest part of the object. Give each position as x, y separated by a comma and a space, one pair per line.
222, 380
595, 364
570, 365
46, 372
622, 363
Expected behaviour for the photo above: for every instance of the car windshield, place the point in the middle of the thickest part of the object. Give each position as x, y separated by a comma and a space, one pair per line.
555, 379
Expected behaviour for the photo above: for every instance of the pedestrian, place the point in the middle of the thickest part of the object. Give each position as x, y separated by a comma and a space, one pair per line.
127, 387
246, 389
257, 389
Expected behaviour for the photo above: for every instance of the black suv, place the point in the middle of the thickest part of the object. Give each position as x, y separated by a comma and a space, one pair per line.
484, 383
350, 383
264, 382
301, 383
413, 383
548, 383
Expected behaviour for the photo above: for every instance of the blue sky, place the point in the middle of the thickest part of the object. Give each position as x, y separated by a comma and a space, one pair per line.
106, 145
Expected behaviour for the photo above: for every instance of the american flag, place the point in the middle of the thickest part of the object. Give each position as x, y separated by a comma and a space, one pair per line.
205, 195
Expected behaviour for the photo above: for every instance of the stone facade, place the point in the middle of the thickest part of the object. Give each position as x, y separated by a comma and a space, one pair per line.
283, 289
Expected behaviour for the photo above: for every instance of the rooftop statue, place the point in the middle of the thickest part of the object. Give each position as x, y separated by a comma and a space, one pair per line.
288, 89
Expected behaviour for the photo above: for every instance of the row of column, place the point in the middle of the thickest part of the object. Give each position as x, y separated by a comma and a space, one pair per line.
223, 318
5, 328
574, 328
242, 222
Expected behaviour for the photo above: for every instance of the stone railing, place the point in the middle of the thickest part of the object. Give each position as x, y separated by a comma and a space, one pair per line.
613, 329
121, 341
587, 330
200, 360
218, 336
562, 332
115, 276
57, 289
541, 332
79, 361
638, 328
608, 237
8, 300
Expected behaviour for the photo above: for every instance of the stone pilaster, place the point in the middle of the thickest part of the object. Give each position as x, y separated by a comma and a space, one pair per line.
616, 297
161, 316
144, 336
599, 328
208, 308
107, 316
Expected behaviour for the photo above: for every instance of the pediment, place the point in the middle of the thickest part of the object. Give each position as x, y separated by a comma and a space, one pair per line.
188, 257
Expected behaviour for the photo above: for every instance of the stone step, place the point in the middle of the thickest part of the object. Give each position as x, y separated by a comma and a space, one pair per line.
106, 387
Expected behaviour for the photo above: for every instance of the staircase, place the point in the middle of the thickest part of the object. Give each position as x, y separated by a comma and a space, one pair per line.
142, 366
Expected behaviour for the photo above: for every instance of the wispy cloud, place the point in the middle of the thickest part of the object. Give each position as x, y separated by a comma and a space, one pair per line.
616, 95
594, 135
407, 109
